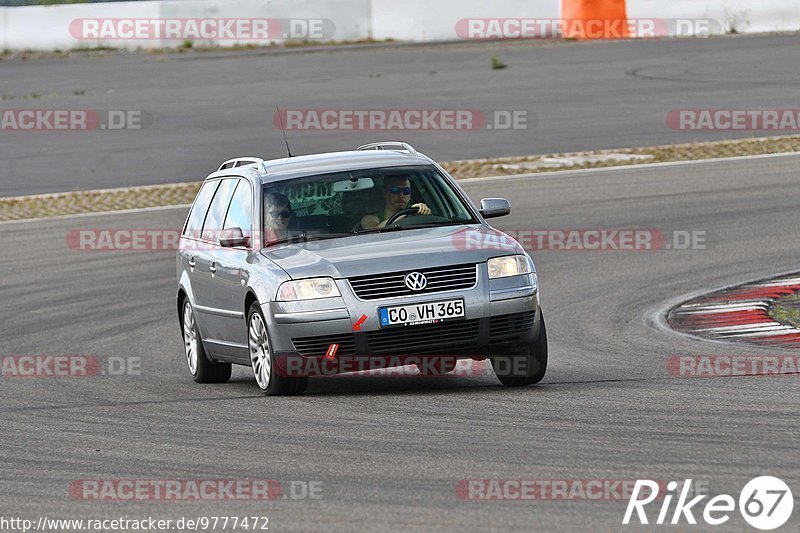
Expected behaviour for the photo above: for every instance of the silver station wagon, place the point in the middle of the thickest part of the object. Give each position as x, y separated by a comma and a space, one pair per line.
351, 261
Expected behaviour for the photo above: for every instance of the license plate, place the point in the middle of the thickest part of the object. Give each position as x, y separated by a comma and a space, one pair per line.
424, 313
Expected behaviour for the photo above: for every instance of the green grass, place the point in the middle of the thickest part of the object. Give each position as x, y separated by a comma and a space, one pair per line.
497, 64
787, 310
84, 49
306, 42
655, 154
57, 2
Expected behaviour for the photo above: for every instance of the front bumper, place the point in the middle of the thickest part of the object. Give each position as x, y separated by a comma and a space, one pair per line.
501, 315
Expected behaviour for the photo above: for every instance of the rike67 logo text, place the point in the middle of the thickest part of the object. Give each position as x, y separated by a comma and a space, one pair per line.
765, 503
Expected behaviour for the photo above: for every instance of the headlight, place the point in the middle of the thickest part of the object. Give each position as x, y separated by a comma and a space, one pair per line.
511, 265
307, 289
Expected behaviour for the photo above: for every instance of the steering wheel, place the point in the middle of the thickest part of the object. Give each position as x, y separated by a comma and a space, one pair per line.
402, 212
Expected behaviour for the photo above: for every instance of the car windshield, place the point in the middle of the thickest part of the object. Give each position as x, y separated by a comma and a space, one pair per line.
354, 202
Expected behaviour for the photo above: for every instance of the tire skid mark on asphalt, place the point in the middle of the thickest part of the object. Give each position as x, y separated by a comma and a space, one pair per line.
740, 313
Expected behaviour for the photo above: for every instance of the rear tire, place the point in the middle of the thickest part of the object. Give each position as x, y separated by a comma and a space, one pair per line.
203, 370
262, 359
526, 367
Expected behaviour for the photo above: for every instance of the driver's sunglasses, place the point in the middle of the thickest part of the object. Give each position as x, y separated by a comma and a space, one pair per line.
394, 189
286, 213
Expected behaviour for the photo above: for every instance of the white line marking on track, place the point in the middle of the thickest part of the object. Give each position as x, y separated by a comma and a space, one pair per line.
762, 326
723, 311
778, 283
725, 305
771, 333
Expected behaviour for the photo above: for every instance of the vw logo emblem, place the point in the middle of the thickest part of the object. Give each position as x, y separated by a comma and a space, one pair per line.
416, 281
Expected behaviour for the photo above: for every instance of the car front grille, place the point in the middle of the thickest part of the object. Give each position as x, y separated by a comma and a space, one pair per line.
429, 338
505, 327
391, 285
318, 346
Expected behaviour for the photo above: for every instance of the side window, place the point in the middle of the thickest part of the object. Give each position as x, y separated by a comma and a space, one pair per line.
240, 213
216, 213
194, 223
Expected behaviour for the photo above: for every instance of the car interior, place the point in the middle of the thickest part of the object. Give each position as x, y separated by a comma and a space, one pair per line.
354, 205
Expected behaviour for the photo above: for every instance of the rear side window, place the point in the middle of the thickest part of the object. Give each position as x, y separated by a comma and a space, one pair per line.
218, 209
240, 213
194, 224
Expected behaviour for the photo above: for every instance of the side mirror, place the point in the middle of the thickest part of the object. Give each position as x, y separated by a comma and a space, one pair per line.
495, 207
233, 237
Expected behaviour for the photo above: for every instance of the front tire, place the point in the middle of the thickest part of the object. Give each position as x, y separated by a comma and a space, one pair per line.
528, 366
203, 370
262, 359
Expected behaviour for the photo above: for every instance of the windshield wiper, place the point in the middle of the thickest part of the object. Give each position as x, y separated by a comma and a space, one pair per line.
398, 227
305, 237
438, 224
393, 227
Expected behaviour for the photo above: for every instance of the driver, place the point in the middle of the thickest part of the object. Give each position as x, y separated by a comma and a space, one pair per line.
397, 193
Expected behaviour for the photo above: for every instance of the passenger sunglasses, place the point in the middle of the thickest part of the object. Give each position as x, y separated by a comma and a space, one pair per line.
282, 214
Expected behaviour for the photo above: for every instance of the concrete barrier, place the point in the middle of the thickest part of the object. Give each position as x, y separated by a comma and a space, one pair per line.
3, 28
743, 15
435, 20
48, 27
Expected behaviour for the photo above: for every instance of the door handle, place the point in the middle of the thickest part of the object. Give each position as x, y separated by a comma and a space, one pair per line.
213, 268
191, 262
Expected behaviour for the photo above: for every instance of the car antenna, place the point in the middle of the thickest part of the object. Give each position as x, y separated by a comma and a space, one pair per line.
280, 118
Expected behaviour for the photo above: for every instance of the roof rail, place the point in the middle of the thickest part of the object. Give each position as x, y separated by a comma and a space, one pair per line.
397, 146
241, 162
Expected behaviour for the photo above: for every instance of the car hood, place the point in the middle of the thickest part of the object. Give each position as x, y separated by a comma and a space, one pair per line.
392, 251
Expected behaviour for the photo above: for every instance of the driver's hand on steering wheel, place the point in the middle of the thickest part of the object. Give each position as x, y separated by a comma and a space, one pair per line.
423, 209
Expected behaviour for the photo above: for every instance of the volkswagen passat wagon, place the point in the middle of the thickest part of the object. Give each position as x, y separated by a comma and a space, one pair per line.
350, 261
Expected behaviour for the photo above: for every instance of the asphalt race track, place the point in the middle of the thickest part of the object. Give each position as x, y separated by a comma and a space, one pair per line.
390, 452
200, 109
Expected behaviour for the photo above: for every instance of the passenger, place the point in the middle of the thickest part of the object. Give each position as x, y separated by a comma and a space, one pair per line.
397, 193
277, 212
